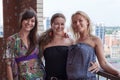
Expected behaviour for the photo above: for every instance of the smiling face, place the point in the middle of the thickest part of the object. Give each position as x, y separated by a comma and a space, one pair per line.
79, 23
28, 24
58, 25
28, 21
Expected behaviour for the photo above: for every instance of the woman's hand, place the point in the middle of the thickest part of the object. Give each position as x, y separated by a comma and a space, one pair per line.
118, 74
94, 68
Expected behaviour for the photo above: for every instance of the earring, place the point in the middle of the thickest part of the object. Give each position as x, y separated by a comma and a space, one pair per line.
51, 33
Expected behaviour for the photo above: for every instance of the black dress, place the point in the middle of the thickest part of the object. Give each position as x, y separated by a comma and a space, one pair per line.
55, 62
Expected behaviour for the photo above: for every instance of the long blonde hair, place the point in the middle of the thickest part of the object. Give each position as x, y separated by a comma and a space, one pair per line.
75, 34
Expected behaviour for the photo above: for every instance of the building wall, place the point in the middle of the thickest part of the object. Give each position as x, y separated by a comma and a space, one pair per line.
11, 11
40, 15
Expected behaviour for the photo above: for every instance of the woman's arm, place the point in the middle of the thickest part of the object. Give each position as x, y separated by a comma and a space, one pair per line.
7, 57
9, 70
102, 60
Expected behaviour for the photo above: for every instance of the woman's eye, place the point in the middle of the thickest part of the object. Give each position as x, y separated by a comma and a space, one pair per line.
80, 20
74, 22
32, 20
62, 24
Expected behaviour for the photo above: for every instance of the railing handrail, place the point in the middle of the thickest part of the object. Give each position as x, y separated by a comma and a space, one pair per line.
108, 75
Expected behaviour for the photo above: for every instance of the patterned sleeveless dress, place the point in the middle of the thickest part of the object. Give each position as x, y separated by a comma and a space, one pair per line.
23, 67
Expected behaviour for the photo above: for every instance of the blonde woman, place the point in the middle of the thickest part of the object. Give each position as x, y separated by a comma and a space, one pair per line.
85, 50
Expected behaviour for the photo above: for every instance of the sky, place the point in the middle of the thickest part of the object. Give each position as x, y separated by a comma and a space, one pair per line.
100, 11
106, 12
1, 12
1, 19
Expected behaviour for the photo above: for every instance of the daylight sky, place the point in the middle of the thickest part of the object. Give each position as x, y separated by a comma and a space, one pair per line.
100, 11
1, 21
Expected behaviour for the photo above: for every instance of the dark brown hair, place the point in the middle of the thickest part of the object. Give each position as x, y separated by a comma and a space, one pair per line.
27, 14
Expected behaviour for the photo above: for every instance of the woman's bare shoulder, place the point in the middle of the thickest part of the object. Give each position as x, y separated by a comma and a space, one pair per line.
96, 40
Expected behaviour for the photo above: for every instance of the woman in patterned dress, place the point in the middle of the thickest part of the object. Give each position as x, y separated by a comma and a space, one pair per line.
22, 53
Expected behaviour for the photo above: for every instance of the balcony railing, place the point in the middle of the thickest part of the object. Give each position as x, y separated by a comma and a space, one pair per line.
106, 75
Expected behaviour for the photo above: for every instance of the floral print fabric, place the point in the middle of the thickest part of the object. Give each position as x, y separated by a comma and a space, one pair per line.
29, 69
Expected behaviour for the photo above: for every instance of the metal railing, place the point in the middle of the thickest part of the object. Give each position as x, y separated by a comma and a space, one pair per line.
107, 76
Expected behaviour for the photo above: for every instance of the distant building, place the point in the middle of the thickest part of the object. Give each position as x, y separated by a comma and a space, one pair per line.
46, 21
100, 32
1, 31
110, 36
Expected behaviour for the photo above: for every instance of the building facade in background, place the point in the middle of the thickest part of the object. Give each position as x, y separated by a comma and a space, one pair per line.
110, 36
